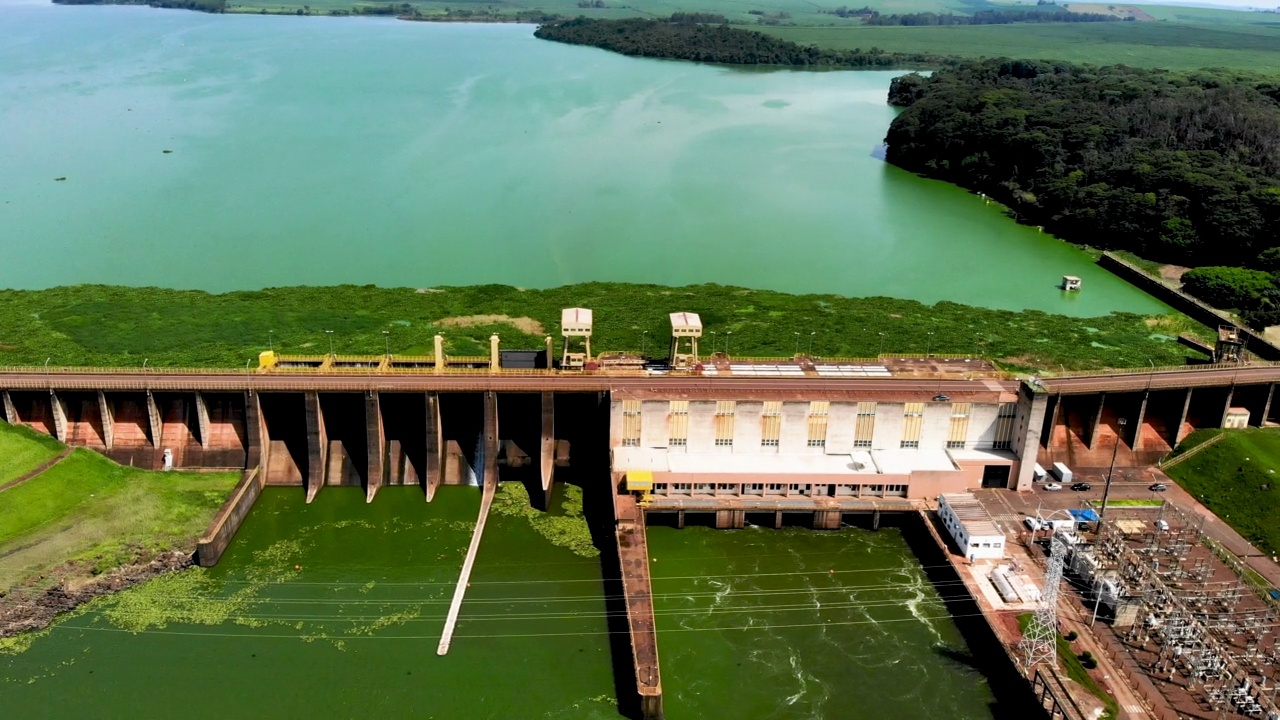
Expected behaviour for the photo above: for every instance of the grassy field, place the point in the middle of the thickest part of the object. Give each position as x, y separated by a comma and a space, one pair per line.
1174, 45
98, 514
23, 450
118, 326
1238, 479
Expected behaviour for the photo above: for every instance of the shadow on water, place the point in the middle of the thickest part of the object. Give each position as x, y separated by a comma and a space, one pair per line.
1014, 698
588, 435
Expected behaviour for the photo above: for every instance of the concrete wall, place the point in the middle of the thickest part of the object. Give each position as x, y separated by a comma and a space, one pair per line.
209, 548
1197, 310
748, 430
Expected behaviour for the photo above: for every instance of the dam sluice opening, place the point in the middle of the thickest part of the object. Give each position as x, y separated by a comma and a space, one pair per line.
756, 622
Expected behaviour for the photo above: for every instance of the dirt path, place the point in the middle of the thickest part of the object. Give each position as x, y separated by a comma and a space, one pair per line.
42, 468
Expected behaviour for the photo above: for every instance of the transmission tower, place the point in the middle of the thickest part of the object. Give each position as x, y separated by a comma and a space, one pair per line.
1040, 641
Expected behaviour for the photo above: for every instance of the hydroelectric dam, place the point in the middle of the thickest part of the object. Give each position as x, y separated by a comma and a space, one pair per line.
713, 440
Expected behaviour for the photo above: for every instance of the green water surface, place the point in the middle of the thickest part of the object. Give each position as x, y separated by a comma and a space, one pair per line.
309, 151
335, 609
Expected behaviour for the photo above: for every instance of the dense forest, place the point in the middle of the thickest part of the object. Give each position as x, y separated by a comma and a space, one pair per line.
1180, 167
680, 40
987, 17
212, 6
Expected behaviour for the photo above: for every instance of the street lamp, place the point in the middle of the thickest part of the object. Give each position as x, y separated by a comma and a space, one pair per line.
271, 340
386, 335
713, 341
928, 344
330, 334
880, 351
797, 350
809, 352
727, 335
1106, 490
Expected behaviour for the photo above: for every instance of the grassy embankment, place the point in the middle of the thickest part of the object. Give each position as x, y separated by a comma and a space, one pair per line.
1071, 665
87, 515
1238, 478
117, 326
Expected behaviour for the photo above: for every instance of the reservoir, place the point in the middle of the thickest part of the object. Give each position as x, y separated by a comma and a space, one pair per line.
177, 149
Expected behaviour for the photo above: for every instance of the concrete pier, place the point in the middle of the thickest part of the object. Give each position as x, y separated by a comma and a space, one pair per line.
633, 556
376, 444
317, 445
210, 547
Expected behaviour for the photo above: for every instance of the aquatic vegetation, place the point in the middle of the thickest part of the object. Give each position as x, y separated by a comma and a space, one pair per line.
566, 529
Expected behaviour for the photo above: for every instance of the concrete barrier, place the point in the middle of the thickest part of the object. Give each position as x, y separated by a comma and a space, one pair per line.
1182, 302
209, 548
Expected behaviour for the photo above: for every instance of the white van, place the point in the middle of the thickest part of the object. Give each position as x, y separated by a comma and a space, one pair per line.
1062, 472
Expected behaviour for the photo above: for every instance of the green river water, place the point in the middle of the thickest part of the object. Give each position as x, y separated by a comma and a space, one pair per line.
334, 609
309, 151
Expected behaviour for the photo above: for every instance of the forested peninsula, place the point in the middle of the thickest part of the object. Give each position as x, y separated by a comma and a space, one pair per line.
677, 39
1178, 167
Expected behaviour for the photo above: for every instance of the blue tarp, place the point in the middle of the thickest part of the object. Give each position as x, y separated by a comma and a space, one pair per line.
1085, 515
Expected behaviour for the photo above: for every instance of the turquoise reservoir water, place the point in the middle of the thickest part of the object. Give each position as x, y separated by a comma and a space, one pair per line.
327, 150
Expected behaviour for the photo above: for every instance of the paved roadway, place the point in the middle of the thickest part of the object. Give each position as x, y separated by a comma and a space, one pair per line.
638, 385
1135, 380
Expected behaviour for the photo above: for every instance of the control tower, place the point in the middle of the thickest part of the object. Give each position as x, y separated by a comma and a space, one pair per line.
685, 326
575, 323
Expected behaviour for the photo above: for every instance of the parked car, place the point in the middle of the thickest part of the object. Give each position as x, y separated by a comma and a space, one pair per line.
1158, 487
942, 397
1053, 486
1081, 487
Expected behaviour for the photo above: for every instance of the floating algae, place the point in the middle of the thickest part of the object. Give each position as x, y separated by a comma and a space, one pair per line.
566, 529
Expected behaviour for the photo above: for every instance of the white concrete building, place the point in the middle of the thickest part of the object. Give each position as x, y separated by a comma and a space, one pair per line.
971, 526
832, 447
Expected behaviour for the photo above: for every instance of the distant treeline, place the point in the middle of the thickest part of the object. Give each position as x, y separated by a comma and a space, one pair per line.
682, 40
987, 17
1179, 167
211, 6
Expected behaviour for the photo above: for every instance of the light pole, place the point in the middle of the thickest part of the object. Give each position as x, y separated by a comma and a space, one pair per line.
271, 340
809, 352
928, 344
386, 335
330, 334
727, 335
1106, 490
713, 342
880, 351
797, 350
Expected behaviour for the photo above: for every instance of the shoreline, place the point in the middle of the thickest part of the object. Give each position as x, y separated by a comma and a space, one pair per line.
23, 616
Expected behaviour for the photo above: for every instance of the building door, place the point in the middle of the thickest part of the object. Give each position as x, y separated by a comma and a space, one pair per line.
995, 476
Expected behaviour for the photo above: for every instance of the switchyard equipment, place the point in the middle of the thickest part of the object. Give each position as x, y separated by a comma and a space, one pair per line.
575, 323
685, 326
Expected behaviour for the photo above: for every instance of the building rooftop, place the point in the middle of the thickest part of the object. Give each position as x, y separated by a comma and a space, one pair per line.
975, 519
686, 321
575, 321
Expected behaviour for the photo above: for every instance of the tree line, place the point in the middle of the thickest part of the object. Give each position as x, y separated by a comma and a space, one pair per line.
210, 6
683, 40
985, 17
1179, 167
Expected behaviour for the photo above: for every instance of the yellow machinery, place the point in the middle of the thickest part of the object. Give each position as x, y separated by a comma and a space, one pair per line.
640, 482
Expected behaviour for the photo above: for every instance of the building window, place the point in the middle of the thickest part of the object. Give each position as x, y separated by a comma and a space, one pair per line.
959, 429
770, 424
912, 422
865, 425
724, 423
631, 423
818, 410
659, 488
678, 423
1005, 423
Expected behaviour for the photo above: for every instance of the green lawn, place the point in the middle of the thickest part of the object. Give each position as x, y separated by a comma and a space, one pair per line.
1229, 478
90, 509
23, 450
98, 325
1174, 45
